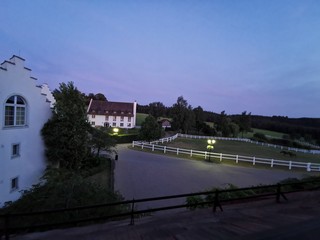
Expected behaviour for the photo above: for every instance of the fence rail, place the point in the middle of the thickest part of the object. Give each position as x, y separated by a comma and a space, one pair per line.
216, 199
221, 156
311, 151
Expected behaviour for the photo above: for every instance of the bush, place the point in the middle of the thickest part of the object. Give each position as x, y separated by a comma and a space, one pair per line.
63, 189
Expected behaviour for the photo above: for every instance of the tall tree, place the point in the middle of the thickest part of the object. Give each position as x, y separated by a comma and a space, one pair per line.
150, 129
182, 114
157, 109
244, 122
199, 118
223, 124
101, 140
66, 133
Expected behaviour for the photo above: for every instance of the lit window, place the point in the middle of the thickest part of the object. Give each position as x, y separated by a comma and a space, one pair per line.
15, 150
15, 111
14, 184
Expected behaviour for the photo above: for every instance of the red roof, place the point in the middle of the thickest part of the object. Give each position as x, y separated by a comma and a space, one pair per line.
100, 107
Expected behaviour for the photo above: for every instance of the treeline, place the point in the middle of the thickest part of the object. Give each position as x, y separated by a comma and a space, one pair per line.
194, 120
186, 119
295, 128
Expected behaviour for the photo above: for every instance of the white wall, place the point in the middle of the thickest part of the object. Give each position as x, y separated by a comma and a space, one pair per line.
100, 120
30, 165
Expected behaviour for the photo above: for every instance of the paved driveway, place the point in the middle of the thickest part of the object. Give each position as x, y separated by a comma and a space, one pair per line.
142, 175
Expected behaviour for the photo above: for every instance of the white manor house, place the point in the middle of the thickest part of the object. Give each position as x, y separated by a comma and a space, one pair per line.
24, 109
112, 114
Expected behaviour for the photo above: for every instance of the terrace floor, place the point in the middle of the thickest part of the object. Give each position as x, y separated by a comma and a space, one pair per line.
264, 219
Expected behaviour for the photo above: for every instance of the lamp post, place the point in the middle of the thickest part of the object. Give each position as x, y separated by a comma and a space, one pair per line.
115, 131
210, 146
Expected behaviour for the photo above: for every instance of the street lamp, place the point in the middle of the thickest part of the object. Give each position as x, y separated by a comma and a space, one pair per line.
115, 131
210, 146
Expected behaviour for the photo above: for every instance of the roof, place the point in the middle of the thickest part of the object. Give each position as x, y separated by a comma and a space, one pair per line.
100, 107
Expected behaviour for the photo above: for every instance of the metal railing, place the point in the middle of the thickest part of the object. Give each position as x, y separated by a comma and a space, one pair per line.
214, 199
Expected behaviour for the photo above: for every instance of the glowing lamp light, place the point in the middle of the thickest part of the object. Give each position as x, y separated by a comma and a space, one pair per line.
115, 130
210, 146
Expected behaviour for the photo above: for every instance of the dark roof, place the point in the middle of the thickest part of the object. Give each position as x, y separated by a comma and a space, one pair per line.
100, 107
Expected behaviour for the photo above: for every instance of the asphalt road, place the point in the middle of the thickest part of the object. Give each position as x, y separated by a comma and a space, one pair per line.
143, 175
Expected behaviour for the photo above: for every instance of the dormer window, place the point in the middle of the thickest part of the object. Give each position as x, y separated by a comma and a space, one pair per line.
15, 112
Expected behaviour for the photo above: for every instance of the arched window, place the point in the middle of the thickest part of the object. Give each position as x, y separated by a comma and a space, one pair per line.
15, 111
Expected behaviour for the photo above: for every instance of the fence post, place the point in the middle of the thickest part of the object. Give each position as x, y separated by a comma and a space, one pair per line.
216, 202
290, 165
220, 157
237, 159
177, 151
152, 147
164, 149
254, 161
279, 193
6, 227
191, 153
271, 162
309, 167
142, 146
133, 144
132, 213
205, 155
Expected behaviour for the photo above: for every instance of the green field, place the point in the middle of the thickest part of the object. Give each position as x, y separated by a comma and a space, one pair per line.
242, 148
140, 118
267, 133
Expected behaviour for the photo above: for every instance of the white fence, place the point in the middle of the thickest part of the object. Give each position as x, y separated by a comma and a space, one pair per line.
249, 141
220, 156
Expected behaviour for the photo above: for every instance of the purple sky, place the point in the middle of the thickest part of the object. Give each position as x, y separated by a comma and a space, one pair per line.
257, 56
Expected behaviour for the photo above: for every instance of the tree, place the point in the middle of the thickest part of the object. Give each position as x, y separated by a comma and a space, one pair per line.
157, 109
101, 140
150, 129
66, 133
182, 114
223, 124
199, 118
244, 122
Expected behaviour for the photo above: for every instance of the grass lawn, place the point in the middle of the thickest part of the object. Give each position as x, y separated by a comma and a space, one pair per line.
242, 148
267, 133
140, 118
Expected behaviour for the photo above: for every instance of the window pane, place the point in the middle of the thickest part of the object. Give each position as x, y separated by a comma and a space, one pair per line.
20, 100
14, 184
9, 116
15, 150
20, 116
10, 100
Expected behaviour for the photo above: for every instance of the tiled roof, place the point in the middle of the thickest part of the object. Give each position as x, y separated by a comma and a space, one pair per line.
99, 107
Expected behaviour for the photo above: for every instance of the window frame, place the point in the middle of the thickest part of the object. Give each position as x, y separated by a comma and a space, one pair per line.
15, 114
14, 184
17, 154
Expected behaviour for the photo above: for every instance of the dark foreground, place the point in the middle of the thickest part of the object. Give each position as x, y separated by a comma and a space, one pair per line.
296, 219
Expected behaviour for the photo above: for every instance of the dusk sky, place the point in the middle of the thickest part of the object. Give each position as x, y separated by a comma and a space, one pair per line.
257, 56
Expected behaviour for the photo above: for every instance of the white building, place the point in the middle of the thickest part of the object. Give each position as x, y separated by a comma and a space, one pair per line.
112, 114
23, 111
